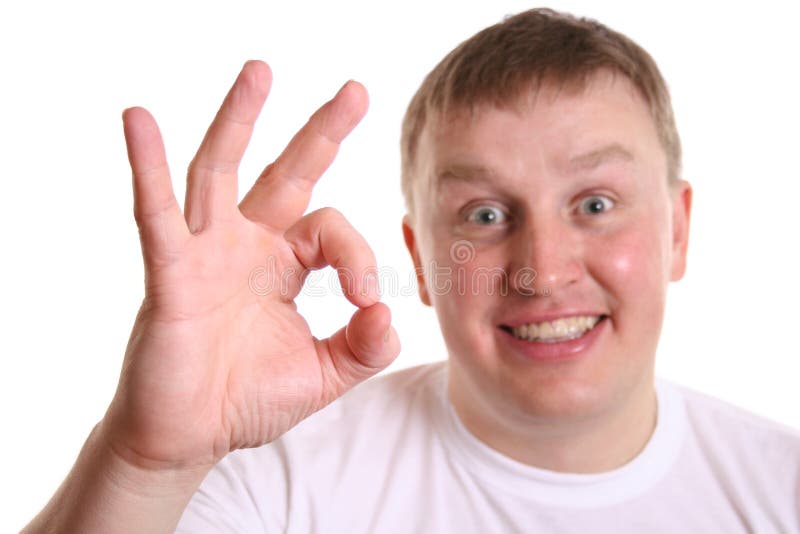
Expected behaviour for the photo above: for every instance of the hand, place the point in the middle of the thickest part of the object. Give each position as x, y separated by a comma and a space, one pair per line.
212, 365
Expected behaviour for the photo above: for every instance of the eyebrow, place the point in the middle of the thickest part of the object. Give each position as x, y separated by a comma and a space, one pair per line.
595, 158
586, 161
463, 173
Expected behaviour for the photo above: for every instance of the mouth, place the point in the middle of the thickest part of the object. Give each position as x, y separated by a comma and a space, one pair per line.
555, 331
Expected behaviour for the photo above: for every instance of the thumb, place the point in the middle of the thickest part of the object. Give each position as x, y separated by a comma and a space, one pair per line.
364, 347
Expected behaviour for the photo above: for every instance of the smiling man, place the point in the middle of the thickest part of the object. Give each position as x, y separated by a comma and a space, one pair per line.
541, 169
573, 183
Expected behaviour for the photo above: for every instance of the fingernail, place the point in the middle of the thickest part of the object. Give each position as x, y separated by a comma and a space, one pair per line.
342, 87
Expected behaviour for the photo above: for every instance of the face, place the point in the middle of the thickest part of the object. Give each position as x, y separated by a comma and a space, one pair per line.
555, 225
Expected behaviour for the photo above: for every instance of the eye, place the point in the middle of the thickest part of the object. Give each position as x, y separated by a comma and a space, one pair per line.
486, 215
596, 204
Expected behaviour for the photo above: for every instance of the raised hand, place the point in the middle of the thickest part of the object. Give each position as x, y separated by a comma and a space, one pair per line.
214, 364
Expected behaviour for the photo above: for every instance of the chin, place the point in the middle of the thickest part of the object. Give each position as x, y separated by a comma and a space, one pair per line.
562, 401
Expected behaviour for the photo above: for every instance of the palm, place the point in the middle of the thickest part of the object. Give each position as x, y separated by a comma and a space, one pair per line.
219, 358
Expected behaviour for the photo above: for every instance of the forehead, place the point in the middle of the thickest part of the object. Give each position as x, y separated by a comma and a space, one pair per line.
554, 126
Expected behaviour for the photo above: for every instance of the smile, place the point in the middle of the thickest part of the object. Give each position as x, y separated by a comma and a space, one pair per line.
555, 331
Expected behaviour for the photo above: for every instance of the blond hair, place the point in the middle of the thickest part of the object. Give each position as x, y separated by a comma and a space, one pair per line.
504, 61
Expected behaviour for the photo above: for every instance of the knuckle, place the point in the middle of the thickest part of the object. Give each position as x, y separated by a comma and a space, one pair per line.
331, 213
202, 167
157, 210
331, 216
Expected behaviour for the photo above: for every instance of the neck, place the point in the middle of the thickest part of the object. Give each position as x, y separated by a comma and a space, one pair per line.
602, 442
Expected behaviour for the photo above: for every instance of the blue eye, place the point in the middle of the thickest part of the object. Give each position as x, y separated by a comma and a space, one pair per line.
596, 204
486, 215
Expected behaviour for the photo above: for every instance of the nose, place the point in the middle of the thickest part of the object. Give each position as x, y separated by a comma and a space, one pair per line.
545, 257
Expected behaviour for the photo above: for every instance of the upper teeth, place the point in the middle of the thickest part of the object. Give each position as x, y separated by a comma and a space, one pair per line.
558, 330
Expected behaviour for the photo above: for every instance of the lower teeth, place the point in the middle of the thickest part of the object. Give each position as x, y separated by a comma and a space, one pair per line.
557, 339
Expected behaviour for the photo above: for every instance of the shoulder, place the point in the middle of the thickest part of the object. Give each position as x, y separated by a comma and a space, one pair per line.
755, 460
740, 445
711, 414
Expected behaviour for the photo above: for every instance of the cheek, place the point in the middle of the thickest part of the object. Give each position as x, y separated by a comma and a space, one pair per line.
458, 290
464, 292
633, 266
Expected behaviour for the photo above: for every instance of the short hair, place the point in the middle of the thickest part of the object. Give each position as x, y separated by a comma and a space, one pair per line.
501, 63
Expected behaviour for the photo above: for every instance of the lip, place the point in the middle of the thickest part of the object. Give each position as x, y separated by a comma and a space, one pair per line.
552, 352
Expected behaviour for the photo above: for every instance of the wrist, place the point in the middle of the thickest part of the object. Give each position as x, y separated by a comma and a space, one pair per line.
132, 473
106, 493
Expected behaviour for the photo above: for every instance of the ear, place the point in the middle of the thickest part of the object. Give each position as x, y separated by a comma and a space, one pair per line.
681, 211
411, 244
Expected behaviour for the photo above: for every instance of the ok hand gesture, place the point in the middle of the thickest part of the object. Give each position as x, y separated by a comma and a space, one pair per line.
212, 365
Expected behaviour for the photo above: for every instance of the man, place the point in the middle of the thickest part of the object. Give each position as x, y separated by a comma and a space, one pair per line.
541, 168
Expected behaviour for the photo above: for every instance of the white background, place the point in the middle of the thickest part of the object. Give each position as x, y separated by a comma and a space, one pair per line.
71, 272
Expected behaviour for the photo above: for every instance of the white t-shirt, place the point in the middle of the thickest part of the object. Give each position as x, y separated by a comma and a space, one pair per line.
392, 456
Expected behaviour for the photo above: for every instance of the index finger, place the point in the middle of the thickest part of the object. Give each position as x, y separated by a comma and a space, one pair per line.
282, 192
